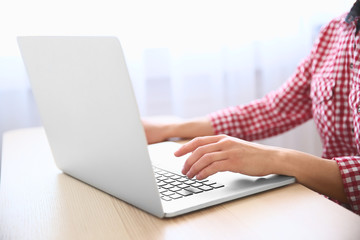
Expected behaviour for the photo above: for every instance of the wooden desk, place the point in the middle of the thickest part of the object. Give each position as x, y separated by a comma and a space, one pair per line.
38, 201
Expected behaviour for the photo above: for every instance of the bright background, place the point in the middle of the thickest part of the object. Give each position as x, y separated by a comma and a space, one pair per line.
186, 58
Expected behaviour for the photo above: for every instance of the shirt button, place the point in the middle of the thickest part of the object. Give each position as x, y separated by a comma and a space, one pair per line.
358, 109
351, 65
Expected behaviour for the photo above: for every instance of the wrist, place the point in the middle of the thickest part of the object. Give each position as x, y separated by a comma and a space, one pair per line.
171, 130
193, 128
281, 162
187, 129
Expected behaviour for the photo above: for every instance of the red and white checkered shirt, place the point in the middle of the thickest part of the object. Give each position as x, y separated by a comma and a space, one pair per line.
325, 87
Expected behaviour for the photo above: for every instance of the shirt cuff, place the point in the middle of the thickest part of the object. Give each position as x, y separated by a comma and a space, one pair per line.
350, 173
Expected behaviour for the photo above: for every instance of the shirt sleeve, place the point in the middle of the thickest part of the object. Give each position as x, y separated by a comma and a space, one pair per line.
350, 173
275, 113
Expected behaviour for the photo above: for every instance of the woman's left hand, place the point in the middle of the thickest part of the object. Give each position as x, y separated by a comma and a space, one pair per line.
213, 154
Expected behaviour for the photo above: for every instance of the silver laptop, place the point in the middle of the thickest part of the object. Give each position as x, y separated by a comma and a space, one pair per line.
91, 119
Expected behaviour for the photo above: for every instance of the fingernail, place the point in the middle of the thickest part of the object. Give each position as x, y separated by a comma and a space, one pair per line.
183, 171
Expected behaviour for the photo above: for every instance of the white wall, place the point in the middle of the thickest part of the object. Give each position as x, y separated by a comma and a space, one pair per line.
186, 58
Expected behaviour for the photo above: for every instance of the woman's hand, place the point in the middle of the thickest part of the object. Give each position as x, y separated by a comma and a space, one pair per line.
213, 154
159, 129
156, 131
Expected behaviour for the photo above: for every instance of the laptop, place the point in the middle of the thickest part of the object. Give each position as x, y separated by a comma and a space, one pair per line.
89, 112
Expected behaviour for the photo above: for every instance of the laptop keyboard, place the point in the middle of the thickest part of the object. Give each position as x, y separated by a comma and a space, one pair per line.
173, 186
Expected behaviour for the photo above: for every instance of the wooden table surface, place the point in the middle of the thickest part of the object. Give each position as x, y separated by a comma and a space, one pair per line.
38, 201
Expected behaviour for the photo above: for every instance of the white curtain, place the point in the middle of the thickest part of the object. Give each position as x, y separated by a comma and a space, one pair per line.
186, 58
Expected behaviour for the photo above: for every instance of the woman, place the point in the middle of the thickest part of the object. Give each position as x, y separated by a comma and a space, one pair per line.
325, 87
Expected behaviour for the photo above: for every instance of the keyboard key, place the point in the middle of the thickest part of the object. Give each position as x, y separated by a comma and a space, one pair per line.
167, 193
167, 186
168, 174
209, 183
183, 185
196, 184
175, 177
161, 178
161, 183
169, 180
176, 196
173, 186
166, 198
182, 179
189, 181
175, 189
205, 188
193, 190
203, 181
184, 192
217, 185
176, 183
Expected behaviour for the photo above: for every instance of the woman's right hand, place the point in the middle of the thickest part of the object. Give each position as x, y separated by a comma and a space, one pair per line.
156, 131
159, 129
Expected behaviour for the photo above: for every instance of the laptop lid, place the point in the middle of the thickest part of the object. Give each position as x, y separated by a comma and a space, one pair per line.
89, 112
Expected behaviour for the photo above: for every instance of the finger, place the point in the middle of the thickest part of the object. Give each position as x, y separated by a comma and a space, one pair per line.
195, 143
205, 161
215, 167
197, 154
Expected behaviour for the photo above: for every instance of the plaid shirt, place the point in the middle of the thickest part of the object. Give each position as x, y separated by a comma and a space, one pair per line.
324, 87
